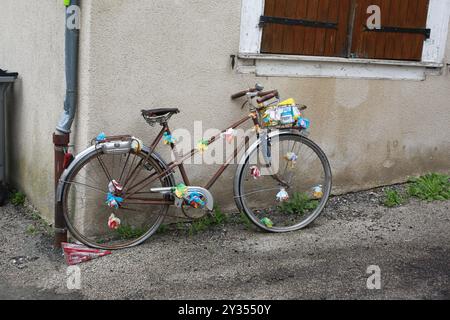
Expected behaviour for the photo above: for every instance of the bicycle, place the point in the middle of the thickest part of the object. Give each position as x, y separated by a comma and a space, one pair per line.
117, 193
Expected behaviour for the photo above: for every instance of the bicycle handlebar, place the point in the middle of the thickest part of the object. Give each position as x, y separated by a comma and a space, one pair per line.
267, 95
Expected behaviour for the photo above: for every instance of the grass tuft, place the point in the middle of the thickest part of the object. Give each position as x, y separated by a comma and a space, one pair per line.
18, 199
392, 198
300, 203
127, 232
205, 223
431, 187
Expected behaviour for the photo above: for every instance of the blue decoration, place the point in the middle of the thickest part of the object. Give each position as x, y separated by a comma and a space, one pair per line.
195, 200
112, 201
101, 137
303, 123
168, 139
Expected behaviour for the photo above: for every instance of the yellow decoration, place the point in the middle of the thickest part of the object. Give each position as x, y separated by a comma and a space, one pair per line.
202, 146
181, 191
318, 192
288, 102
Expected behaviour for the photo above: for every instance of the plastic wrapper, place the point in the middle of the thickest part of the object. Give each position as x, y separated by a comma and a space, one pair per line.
76, 253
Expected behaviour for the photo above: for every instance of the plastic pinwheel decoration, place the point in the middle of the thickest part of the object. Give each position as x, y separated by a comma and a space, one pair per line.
202, 145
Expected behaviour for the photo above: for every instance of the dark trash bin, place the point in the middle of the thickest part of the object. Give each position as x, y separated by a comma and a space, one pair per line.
6, 78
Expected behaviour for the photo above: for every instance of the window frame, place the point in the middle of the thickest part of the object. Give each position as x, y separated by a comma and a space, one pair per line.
433, 53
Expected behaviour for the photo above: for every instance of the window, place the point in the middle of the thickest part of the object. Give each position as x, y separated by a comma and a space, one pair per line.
339, 28
330, 38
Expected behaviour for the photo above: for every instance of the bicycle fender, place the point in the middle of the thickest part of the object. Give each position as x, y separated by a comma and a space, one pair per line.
95, 149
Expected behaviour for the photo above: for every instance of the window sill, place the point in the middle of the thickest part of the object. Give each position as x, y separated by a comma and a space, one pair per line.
333, 67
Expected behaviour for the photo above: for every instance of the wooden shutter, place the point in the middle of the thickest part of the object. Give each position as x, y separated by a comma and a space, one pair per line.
307, 40
411, 14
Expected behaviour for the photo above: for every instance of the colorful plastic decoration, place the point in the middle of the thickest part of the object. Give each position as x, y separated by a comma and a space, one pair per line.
114, 187
136, 145
303, 123
101, 137
282, 196
168, 139
202, 145
255, 172
229, 135
284, 113
113, 222
288, 102
267, 222
112, 201
291, 158
180, 191
195, 200
318, 192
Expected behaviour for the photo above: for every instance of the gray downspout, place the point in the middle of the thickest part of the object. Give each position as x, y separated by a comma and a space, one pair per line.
61, 137
72, 35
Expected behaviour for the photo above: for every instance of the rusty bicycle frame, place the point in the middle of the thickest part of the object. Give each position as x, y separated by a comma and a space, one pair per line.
132, 189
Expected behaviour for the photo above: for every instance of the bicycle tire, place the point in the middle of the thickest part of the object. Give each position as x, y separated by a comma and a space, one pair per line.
241, 172
154, 161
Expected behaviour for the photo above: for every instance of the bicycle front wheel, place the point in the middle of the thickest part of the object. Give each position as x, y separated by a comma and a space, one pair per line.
107, 202
283, 185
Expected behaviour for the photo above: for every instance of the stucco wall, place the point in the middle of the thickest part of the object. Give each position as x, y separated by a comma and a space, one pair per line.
137, 54
165, 53
32, 44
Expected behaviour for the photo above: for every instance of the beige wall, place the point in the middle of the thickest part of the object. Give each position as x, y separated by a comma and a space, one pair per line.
138, 54
32, 44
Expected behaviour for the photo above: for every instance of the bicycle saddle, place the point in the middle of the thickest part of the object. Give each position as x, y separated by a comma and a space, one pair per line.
160, 112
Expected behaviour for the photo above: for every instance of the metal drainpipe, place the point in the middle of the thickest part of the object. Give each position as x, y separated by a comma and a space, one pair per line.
61, 137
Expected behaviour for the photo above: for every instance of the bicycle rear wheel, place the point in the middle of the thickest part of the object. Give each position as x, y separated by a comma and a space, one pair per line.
285, 188
106, 199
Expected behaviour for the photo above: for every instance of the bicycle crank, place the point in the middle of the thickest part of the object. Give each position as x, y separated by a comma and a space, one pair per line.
209, 199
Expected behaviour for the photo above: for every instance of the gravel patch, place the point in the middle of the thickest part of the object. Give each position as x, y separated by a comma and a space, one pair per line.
329, 260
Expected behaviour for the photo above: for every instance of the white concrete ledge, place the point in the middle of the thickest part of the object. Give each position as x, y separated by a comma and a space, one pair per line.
280, 57
269, 65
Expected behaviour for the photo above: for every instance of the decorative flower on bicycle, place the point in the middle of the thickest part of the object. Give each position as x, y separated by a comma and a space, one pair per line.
114, 187
202, 145
112, 201
255, 172
196, 200
180, 191
229, 135
303, 123
291, 158
283, 196
267, 222
114, 222
318, 192
168, 139
101, 137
